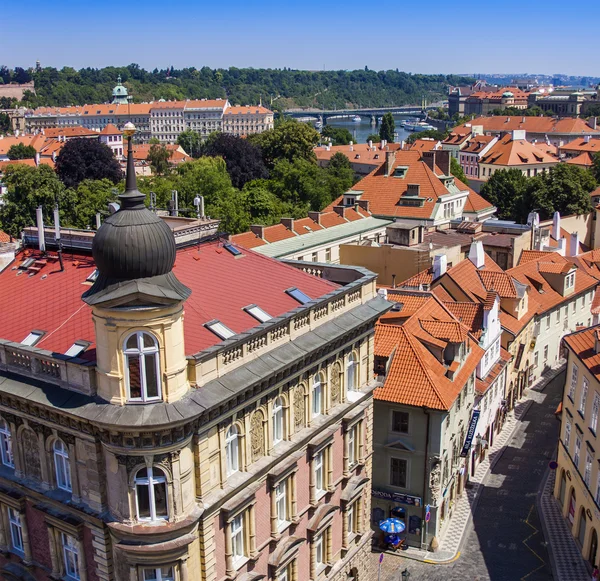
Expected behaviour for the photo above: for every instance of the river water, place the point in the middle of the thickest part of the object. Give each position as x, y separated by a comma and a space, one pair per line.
362, 130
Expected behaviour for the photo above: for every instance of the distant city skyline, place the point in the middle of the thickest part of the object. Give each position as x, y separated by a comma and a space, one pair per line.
312, 36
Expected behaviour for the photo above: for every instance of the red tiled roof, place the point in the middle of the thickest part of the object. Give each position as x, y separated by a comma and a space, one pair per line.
306, 226
482, 385
277, 232
330, 218
110, 129
583, 345
584, 159
469, 314
5, 164
509, 152
4, 237
222, 285
247, 240
581, 144
533, 255
549, 125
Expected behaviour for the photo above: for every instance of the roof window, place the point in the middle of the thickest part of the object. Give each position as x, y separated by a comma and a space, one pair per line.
232, 249
32, 338
77, 348
258, 313
219, 329
298, 295
400, 172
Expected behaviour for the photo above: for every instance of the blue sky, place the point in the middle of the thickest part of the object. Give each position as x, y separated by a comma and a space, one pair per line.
429, 37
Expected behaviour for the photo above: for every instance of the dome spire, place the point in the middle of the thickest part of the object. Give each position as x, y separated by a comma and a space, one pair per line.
134, 251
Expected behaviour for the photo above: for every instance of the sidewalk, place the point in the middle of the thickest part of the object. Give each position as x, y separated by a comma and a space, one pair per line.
466, 505
566, 558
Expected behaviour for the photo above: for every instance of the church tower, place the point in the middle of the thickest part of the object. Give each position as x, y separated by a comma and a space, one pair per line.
119, 94
137, 303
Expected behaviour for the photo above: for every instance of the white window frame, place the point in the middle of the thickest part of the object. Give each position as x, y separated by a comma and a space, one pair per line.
158, 574
352, 383
71, 557
281, 505
62, 465
16, 530
574, 379
320, 548
352, 443
351, 516
232, 450
278, 420
583, 398
587, 474
6, 454
319, 472
140, 352
595, 411
577, 451
150, 481
317, 395
567, 434
238, 541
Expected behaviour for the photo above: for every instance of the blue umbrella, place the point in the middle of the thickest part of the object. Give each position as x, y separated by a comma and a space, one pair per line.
392, 525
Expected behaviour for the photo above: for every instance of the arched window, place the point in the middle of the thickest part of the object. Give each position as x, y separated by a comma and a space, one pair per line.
278, 421
151, 494
352, 373
232, 450
142, 367
62, 466
6, 445
317, 395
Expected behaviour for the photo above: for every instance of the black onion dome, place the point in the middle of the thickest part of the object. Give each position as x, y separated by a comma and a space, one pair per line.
134, 251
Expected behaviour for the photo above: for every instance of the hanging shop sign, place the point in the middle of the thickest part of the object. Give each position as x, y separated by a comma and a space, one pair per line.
470, 434
397, 497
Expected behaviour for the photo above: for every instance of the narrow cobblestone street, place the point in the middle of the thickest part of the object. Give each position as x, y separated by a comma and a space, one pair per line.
504, 541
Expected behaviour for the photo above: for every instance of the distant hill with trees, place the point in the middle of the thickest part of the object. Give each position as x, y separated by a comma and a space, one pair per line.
279, 89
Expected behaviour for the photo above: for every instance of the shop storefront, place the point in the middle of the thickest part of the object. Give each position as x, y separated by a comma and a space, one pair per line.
404, 507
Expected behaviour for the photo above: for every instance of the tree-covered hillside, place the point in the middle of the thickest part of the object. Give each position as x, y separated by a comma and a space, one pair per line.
278, 88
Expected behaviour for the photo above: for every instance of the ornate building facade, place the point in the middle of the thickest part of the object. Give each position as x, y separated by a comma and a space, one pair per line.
203, 413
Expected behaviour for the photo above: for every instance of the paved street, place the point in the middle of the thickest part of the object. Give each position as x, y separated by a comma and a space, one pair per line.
505, 541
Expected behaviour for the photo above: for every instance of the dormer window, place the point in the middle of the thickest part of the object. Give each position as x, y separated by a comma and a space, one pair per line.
400, 172
32, 338
142, 367
570, 281
220, 330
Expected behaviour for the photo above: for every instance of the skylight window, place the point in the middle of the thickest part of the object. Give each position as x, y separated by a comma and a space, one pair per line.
93, 276
32, 338
258, 313
298, 295
77, 348
220, 330
232, 249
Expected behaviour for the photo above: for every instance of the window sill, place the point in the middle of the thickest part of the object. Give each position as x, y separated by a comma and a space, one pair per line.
239, 563
581, 414
353, 395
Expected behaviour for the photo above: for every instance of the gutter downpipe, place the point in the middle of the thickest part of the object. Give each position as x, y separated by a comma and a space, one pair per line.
425, 480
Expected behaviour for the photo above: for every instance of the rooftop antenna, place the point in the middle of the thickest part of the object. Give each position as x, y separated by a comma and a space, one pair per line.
57, 237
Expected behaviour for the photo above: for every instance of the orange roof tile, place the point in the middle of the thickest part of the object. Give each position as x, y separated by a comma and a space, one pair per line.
247, 240
276, 233
4, 237
584, 159
306, 226
509, 152
581, 144
545, 125
482, 385
449, 331
469, 314
533, 255
110, 129
5, 164
329, 219
583, 345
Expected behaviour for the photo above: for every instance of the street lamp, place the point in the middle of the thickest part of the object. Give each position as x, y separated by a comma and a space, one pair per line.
405, 575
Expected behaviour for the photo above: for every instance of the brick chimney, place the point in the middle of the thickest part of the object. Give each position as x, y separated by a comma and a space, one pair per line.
429, 158
341, 210
258, 229
364, 204
442, 158
288, 223
315, 217
593, 122
390, 158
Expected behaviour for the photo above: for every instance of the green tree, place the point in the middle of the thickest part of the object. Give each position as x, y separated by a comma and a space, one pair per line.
388, 127
154, 141
565, 188
5, 125
593, 110
191, 143
433, 133
27, 188
338, 135
264, 206
21, 151
289, 140
456, 170
374, 137
506, 190
86, 159
340, 168
91, 197
158, 156
596, 167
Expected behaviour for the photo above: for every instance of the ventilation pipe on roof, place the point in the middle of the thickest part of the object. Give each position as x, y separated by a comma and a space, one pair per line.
39, 214
587, 138
351, 146
370, 143
393, 281
477, 254
556, 226
440, 265
593, 122
98, 221
562, 246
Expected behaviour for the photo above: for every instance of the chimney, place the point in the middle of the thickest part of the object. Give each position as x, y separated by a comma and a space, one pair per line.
390, 158
413, 189
518, 134
597, 341
39, 214
351, 146
593, 122
341, 210
477, 254
429, 159
562, 246
586, 139
440, 265
315, 216
393, 281
258, 229
37, 158
556, 226
364, 204
370, 143
574, 250
288, 223
442, 158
